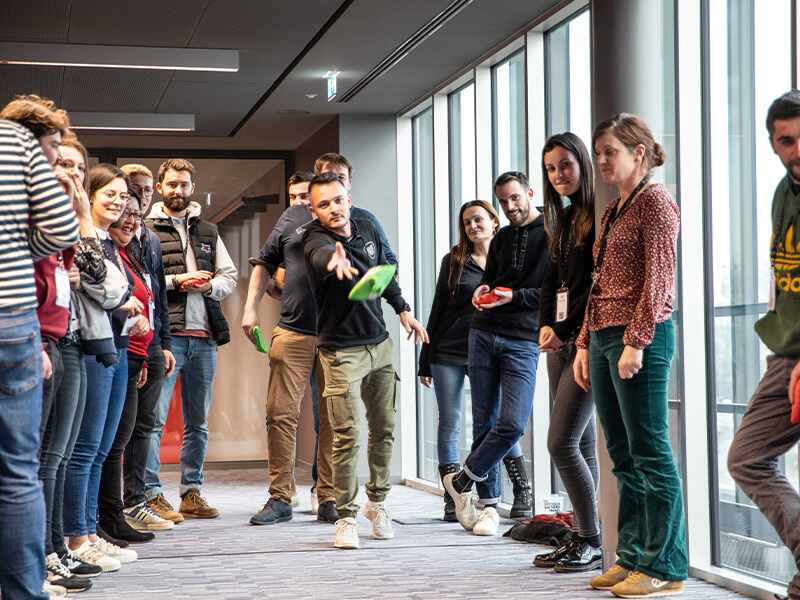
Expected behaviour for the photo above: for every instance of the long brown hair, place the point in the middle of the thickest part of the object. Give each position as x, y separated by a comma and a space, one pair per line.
461, 252
555, 214
631, 130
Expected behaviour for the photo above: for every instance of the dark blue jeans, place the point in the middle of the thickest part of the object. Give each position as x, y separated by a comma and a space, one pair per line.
65, 418
634, 416
502, 375
22, 569
448, 385
105, 396
70, 402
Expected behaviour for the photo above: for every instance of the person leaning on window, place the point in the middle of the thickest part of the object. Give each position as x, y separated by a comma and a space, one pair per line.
572, 435
626, 346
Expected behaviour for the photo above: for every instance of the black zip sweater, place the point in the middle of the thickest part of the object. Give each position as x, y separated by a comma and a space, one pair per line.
520, 317
580, 264
450, 318
342, 323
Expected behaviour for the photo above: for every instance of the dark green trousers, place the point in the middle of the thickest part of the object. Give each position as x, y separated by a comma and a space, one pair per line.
634, 416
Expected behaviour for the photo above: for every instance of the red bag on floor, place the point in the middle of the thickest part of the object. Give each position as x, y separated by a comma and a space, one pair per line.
796, 403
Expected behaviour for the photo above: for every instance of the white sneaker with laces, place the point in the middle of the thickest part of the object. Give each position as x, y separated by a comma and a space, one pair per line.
346, 535
381, 520
93, 556
487, 523
314, 502
144, 518
465, 510
123, 555
54, 591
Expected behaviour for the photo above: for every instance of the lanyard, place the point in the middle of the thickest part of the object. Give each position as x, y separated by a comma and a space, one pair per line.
519, 245
610, 224
565, 255
141, 276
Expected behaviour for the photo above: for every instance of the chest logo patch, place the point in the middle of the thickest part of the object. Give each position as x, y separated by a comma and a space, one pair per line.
205, 247
300, 230
369, 247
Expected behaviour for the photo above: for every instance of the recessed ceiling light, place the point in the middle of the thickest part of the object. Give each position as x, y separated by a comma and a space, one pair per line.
311, 96
131, 121
292, 112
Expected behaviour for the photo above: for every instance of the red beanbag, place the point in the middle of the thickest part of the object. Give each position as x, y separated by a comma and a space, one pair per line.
796, 403
491, 296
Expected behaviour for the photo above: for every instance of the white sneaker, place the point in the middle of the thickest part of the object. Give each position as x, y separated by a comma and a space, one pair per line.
381, 520
314, 502
346, 535
144, 518
465, 510
93, 556
54, 591
487, 523
123, 555
295, 500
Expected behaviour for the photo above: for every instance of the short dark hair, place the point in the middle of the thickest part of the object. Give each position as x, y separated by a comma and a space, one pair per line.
510, 176
332, 158
786, 106
300, 177
176, 164
323, 179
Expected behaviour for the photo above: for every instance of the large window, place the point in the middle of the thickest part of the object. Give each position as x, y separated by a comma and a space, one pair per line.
508, 106
425, 264
749, 65
462, 151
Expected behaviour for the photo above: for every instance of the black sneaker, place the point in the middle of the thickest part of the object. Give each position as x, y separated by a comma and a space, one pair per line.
550, 559
78, 566
327, 512
274, 511
580, 557
58, 574
121, 533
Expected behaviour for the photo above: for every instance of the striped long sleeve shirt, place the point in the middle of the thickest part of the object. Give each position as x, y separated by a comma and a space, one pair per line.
36, 217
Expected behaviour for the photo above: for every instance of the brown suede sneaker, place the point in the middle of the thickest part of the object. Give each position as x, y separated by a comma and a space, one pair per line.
164, 509
610, 578
640, 585
194, 506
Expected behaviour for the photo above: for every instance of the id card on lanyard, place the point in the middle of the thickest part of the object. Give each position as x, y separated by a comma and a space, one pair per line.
62, 284
151, 304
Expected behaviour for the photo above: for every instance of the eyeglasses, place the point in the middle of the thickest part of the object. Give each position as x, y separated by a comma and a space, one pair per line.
146, 191
126, 214
111, 195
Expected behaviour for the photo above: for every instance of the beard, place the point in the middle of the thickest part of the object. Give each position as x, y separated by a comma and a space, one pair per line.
177, 203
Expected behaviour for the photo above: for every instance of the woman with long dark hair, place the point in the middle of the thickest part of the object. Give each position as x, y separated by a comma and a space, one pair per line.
443, 362
572, 436
624, 353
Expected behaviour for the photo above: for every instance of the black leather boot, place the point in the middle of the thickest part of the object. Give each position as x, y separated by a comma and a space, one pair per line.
449, 504
114, 528
521, 509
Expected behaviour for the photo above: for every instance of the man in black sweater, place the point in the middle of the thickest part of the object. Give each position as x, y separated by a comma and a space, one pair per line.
503, 355
355, 352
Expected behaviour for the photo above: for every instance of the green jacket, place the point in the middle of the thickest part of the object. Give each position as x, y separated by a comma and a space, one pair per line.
780, 329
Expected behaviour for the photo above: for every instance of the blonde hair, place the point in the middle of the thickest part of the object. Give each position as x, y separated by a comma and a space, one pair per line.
136, 169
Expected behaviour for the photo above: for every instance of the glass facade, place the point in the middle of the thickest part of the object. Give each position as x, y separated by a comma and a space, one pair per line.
508, 107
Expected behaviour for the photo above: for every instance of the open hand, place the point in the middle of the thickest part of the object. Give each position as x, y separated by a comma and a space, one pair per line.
340, 264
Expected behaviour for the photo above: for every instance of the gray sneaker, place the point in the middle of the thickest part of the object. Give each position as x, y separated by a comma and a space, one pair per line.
381, 520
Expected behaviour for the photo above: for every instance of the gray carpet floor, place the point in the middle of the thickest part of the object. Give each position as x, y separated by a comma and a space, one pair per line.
227, 558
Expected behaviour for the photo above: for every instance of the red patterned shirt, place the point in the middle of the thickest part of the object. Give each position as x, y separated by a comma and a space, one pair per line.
637, 280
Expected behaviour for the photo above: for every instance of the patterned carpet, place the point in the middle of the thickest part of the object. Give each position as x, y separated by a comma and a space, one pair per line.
227, 558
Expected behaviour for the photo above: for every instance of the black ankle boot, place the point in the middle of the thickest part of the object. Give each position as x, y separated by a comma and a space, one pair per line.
521, 509
449, 504
117, 531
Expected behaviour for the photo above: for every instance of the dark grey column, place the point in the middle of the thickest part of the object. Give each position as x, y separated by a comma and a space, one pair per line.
626, 77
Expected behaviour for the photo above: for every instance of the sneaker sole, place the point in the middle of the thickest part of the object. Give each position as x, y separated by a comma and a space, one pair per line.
189, 515
109, 568
255, 521
139, 526
595, 564
605, 587
651, 594
346, 546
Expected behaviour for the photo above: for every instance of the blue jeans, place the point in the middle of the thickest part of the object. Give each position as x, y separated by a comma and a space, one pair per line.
196, 363
67, 408
502, 375
448, 385
22, 569
72, 390
105, 396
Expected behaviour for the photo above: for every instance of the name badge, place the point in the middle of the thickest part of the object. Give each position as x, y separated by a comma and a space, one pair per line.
62, 287
562, 305
152, 303
773, 284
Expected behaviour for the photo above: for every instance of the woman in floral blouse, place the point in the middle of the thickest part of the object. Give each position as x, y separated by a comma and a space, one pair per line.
625, 348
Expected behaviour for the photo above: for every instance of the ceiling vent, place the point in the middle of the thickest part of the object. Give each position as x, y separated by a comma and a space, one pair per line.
404, 49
